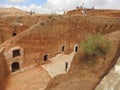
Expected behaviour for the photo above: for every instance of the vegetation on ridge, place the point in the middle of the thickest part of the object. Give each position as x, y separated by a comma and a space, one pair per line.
96, 46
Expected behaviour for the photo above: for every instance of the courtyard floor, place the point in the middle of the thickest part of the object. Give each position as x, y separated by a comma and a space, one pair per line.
38, 77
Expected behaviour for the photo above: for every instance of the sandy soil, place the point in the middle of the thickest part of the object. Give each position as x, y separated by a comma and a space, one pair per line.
57, 65
33, 79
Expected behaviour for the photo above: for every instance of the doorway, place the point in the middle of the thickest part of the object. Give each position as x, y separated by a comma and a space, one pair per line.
45, 57
15, 66
63, 47
76, 48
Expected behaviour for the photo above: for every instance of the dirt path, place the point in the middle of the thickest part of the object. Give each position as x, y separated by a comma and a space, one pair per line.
57, 65
33, 79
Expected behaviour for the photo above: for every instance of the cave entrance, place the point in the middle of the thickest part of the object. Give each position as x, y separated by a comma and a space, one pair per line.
14, 34
15, 66
45, 57
76, 48
63, 47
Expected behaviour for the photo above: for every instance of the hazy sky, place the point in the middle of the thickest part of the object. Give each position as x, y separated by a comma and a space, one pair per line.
59, 6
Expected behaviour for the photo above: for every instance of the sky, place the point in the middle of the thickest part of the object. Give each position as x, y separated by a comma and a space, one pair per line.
59, 6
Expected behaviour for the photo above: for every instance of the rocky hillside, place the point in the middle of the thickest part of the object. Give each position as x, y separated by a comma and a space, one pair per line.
85, 75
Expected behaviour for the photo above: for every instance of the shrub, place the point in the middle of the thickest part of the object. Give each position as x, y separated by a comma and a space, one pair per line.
96, 46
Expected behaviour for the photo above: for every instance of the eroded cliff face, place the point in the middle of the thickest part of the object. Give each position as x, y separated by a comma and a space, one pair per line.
11, 26
48, 37
4, 70
85, 75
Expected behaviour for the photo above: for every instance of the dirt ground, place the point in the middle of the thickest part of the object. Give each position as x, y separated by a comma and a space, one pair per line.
33, 79
38, 77
57, 65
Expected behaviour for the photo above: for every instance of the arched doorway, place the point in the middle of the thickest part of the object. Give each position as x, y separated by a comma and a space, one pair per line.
45, 57
76, 48
63, 47
15, 66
